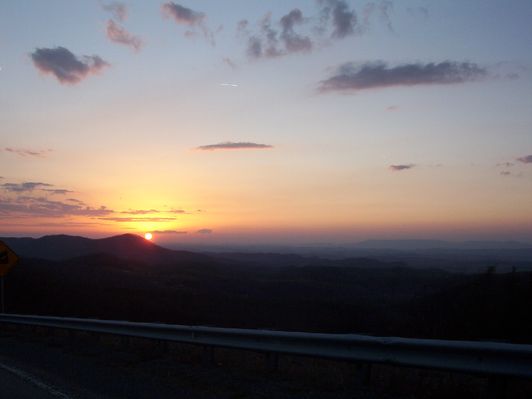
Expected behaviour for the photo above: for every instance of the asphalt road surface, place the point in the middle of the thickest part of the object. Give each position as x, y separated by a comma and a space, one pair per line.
50, 367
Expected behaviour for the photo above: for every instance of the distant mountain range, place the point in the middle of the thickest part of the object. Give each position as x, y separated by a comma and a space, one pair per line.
126, 246
409, 245
468, 256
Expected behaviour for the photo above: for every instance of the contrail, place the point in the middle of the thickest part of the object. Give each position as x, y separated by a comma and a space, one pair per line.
229, 84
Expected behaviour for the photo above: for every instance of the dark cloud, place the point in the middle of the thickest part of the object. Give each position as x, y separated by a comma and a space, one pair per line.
505, 164
23, 187
168, 232
182, 15
193, 19
293, 42
119, 10
525, 159
118, 34
205, 231
276, 40
233, 146
392, 108
505, 173
342, 19
350, 77
24, 206
134, 219
398, 168
25, 152
65, 66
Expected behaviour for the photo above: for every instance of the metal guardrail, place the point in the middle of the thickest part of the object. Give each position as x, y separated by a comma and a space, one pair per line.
485, 358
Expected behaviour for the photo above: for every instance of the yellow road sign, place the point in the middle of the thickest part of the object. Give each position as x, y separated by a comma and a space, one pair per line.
8, 259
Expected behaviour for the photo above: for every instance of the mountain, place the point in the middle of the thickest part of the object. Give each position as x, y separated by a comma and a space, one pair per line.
412, 245
126, 246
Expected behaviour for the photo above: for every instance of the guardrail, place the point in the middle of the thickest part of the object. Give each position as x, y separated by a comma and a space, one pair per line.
484, 358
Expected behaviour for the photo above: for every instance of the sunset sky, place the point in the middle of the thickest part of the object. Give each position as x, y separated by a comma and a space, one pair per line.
246, 121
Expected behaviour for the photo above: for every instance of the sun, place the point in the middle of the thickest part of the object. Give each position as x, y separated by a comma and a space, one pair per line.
148, 236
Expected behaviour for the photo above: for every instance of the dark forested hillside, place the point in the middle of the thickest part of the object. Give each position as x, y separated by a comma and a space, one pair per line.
376, 298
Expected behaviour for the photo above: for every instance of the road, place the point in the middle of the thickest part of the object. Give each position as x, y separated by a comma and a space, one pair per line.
51, 367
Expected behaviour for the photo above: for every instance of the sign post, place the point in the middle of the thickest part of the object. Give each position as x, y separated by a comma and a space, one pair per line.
8, 259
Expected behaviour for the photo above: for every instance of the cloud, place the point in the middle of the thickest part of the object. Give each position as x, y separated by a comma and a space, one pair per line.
118, 34
349, 77
228, 145
23, 187
383, 9
343, 19
75, 201
229, 62
269, 42
505, 173
182, 15
119, 10
525, 159
180, 211
205, 231
293, 42
392, 108
140, 211
65, 66
23, 206
505, 164
57, 191
25, 152
168, 232
188, 17
398, 168
133, 219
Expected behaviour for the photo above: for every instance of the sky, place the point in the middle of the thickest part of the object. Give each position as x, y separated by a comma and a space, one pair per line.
246, 121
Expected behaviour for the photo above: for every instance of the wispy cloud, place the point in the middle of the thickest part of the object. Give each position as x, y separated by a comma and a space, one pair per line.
228, 145
400, 167
229, 62
119, 34
24, 206
23, 187
140, 211
194, 20
182, 15
205, 231
26, 152
134, 219
525, 159
342, 19
505, 164
119, 10
168, 232
65, 66
273, 40
57, 191
375, 75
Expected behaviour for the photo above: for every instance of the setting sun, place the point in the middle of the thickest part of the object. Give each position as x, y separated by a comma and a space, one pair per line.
148, 236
